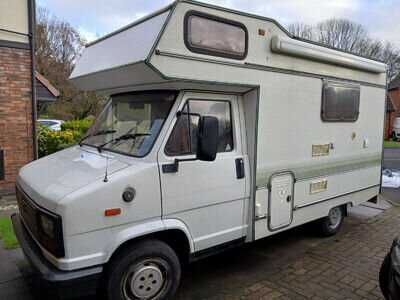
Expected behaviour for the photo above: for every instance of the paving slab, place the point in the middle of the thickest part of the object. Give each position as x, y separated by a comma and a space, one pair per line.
12, 283
9, 271
15, 290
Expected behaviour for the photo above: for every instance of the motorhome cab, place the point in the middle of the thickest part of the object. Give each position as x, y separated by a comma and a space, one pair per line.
221, 129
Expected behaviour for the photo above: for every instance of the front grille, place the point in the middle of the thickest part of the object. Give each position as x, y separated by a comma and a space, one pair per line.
28, 212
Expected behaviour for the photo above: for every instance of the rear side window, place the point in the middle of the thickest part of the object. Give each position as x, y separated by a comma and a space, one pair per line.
183, 138
212, 35
340, 102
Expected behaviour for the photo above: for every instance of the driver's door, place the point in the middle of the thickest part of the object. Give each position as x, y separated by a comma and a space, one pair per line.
208, 197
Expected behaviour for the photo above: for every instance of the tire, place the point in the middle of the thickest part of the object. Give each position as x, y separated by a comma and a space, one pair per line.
330, 224
384, 276
394, 138
146, 270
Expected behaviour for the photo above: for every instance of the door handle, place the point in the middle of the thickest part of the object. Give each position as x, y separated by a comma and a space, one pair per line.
239, 168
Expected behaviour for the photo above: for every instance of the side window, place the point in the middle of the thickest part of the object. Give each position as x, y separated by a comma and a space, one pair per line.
340, 102
211, 35
183, 138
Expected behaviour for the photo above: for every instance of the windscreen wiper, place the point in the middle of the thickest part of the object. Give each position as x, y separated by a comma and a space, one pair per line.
101, 132
123, 137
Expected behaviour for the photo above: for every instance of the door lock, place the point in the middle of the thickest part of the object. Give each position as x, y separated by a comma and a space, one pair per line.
288, 198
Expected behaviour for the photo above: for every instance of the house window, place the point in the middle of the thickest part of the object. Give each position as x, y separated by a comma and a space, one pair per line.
340, 102
183, 139
212, 35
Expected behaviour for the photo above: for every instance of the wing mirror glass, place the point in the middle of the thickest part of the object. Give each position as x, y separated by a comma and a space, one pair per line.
207, 144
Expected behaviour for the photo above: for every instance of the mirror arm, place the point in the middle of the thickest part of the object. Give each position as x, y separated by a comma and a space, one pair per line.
174, 167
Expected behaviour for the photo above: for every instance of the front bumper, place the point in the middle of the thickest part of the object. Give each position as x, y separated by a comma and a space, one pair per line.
65, 284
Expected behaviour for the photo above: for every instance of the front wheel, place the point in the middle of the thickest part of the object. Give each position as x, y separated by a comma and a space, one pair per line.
147, 270
330, 225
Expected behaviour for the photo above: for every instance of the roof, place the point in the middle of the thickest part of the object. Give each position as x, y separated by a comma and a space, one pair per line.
395, 83
47, 84
389, 104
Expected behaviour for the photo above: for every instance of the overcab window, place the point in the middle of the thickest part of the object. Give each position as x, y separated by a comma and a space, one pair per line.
340, 102
212, 35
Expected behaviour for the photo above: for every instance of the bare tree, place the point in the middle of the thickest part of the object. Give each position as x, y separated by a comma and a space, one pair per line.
59, 45
346, 35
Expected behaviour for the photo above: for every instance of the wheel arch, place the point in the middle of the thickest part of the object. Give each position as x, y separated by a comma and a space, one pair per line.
171, 231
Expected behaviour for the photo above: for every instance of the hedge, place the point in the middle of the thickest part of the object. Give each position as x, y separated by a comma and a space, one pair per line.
50, 141
78, 125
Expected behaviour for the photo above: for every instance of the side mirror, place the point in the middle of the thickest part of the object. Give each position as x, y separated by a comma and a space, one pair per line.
208, 138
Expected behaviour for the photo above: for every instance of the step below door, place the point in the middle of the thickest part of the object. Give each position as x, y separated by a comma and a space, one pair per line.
281, 201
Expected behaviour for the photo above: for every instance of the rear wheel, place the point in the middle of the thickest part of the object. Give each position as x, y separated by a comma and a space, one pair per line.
147, 270
330, 224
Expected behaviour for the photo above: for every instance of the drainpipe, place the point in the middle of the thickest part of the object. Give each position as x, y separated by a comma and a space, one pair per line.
32, 24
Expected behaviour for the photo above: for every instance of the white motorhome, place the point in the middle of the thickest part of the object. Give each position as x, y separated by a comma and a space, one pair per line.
221, 129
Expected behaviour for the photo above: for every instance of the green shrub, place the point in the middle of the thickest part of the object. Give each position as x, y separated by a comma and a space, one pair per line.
58, 140
78, 125
50, 141
42, 138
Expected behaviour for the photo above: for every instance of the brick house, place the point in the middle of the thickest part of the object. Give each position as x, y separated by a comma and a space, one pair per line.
17, 106
390, 109
394, 94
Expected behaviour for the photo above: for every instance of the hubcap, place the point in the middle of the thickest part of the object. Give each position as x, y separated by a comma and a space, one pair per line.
145, 280
334, 217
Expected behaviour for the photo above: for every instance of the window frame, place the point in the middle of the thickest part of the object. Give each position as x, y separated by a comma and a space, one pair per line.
209, 51
188, 113
325, 86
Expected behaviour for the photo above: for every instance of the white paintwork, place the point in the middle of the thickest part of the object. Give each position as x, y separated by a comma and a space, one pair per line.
124, 48
276, 120
280, 201
201, 192
51, 178
295, 47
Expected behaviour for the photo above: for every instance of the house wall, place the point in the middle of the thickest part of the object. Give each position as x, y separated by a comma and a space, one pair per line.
16, 135
395, 96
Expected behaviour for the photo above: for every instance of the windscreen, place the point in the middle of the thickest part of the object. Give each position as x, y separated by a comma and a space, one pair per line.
137, 117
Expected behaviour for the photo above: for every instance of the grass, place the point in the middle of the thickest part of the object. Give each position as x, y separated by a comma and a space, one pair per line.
7, 234
391, 144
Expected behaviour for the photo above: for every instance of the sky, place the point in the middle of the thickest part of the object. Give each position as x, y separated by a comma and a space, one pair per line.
95, 18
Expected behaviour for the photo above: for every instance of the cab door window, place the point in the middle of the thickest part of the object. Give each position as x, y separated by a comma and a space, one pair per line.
183, 139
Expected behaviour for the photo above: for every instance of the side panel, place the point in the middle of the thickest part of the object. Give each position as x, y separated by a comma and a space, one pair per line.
290, 124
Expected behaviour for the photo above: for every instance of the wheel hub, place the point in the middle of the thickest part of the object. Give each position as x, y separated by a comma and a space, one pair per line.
147, 280
335, 214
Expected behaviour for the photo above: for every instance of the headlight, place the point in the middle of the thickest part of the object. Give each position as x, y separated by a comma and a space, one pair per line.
50, 233
47, 226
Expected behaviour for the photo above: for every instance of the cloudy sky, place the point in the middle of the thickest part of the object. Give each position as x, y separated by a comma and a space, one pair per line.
94, 18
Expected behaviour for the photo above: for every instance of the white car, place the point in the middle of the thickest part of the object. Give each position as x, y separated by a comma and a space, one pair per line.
396, 129
53, 124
